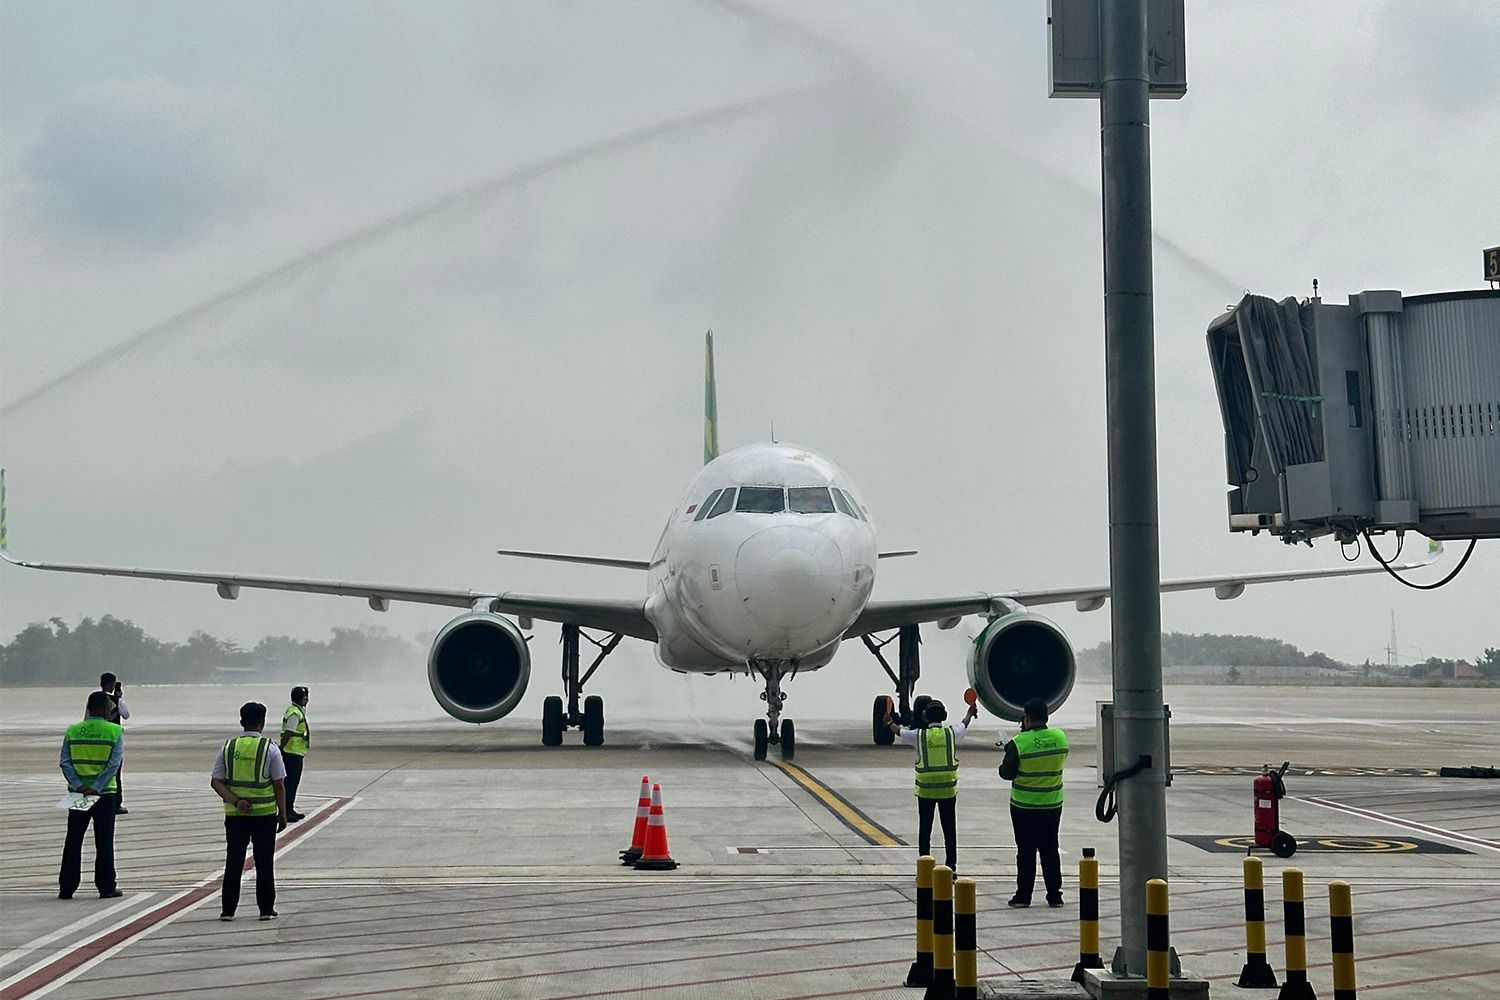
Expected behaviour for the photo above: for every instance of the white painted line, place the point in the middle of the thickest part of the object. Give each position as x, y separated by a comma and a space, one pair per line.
38, 944
1403, 824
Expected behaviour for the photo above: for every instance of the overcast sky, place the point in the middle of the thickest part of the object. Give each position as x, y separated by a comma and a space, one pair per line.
367, 290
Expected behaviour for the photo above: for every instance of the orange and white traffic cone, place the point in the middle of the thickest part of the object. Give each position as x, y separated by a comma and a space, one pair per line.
637, 847
656, 857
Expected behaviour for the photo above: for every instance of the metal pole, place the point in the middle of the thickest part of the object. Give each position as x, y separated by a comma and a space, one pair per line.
1134, 566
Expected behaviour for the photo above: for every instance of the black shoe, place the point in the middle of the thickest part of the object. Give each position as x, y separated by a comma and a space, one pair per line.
121, 811
293, 817
1017, 903
1054, 901
111, 894
226, 917
269, 915
65, 895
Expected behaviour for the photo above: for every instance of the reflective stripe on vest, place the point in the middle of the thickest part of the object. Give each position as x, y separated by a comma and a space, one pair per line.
1038, 783
246, 761
937, 763
90, 743
296, 743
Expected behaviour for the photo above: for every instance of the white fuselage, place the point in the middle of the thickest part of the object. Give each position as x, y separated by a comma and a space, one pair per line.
776, 570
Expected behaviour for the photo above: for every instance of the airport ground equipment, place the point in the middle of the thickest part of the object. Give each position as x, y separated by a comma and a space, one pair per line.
1269, 789
1158, 942
1257, 973
656, 856
940, 987
1088, 915
637, 847
589, 718
965, 941
1341, 939
1294, 985
1376, 416
920, 973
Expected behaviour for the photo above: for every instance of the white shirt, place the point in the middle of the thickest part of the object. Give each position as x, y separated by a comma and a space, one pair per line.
275, 766
911, 736
124, 712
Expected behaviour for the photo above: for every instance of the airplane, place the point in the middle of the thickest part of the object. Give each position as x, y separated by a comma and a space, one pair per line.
766, 567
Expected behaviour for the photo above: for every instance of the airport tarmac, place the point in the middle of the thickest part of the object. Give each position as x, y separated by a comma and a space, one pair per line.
444, 860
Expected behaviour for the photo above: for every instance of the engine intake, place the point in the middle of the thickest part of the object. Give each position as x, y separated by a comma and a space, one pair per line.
478, 667
1018, 657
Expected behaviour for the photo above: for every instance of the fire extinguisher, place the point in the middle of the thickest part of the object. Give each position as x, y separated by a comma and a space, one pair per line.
1269, 791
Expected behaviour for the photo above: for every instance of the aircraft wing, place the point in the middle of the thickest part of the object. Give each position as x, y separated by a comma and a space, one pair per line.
627, 617
879, 616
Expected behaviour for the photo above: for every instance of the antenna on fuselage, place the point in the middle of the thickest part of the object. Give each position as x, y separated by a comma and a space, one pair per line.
773, 432
710, 404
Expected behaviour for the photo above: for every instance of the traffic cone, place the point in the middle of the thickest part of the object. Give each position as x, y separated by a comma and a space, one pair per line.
655, 857
637, 847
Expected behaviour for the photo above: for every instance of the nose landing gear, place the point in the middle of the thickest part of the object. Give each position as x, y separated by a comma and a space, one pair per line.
774, 729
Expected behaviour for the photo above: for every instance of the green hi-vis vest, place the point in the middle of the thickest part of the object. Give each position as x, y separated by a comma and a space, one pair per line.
1038, 783
296, 743
937, 763
245, 772
90, 743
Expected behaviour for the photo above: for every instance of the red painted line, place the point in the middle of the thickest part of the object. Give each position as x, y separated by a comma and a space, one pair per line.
1433, 979
83, 953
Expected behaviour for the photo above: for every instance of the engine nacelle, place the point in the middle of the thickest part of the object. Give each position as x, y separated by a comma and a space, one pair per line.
478, 667
1018, 657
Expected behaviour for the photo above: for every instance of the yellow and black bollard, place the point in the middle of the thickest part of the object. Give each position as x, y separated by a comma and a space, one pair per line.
1296, 986
1088, 915
1341, 930
965, 942
921, 969
1158, 942
1257, 973
941, 987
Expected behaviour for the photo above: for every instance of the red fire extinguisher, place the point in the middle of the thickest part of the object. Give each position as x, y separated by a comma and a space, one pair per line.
1269, 791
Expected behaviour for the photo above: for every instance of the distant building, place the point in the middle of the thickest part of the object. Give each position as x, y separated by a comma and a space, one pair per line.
1453, 670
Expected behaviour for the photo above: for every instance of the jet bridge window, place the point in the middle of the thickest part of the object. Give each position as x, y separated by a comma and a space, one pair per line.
810, 500
722, 505
703, 510
761, 500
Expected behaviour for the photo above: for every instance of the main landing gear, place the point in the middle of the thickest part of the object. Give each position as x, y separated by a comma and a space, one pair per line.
591, 718
773, 728
909, 669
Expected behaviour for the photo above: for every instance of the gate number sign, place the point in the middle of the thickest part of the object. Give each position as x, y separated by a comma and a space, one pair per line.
1492, 264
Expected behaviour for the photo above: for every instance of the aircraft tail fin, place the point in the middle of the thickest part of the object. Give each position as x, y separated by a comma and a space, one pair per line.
710, 403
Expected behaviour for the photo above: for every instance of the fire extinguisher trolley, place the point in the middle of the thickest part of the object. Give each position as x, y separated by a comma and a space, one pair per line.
1269, 791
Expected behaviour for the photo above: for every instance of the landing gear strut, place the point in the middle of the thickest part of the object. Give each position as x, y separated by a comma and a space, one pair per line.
774, 729
591, 718
909, 665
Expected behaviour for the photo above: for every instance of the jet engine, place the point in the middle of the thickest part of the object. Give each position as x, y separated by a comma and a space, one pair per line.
1020, 656
478, 667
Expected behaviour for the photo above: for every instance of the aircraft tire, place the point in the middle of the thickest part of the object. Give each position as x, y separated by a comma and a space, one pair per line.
788, 739
593, 721
879, 730
762, 738
552, 721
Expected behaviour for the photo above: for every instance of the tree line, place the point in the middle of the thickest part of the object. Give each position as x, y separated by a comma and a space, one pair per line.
54, 653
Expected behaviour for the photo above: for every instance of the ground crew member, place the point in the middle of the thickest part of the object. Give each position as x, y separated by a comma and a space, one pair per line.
1033, 765
119, 712
295, 738
91, 754
250, 777
937, 775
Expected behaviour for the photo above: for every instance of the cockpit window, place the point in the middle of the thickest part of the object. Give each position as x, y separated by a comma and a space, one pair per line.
722, 505
703, 510
842, 504
810, 500
850, 502
761, 500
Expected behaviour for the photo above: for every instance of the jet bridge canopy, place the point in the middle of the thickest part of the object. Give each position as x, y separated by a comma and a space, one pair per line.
1380, 415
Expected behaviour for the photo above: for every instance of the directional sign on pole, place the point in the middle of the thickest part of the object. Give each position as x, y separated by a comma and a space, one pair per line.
1075, 63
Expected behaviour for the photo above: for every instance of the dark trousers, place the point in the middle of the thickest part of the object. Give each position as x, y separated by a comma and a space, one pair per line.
1036, 833
947, 812
293, 779
120, 786
258, 832
102, 815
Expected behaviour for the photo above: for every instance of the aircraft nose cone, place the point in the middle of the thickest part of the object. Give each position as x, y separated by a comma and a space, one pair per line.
789, 576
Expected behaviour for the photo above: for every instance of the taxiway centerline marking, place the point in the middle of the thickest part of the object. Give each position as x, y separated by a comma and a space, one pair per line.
69, 962
1399, 822
844, 810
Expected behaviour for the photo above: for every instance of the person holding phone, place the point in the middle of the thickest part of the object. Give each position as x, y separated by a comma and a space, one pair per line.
118, 713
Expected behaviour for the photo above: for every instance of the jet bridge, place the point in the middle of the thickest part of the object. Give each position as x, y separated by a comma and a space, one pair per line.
1379, 415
